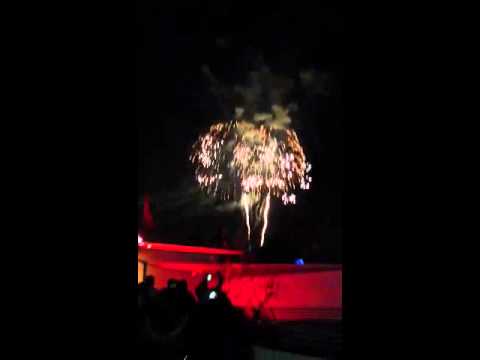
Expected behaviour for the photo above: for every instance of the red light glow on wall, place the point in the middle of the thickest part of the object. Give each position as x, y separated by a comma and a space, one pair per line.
282, 291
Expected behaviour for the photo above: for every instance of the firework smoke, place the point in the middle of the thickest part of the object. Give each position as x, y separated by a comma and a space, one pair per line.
255, 156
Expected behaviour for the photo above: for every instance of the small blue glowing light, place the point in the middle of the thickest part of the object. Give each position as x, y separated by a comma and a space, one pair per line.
299, 262
212, 295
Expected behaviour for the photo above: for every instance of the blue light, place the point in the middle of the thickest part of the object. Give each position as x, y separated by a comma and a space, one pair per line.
299, 262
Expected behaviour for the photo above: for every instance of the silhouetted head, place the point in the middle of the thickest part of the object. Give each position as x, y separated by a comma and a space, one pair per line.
149, 281
182, 285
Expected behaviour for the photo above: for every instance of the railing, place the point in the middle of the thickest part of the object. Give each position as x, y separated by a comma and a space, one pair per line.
187, 249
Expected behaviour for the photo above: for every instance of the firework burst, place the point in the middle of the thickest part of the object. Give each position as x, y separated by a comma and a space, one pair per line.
250, 163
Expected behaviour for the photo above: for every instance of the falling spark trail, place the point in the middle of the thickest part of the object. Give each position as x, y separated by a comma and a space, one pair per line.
265, 218
247, 218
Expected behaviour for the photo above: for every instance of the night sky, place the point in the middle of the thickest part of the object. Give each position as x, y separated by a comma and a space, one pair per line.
174, 104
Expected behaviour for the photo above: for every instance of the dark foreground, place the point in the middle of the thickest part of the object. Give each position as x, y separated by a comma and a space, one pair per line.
173, 324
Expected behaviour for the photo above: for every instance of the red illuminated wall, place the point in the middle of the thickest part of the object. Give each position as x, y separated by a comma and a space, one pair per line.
284, 291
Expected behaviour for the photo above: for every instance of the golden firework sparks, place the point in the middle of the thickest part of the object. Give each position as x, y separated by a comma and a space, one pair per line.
241, 159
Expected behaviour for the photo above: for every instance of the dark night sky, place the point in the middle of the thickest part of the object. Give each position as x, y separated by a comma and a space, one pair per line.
174, 105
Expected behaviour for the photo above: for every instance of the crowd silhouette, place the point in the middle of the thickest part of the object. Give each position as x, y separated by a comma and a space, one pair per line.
174, 324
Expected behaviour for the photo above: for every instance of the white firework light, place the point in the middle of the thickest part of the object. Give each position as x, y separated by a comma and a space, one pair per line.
251, 163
